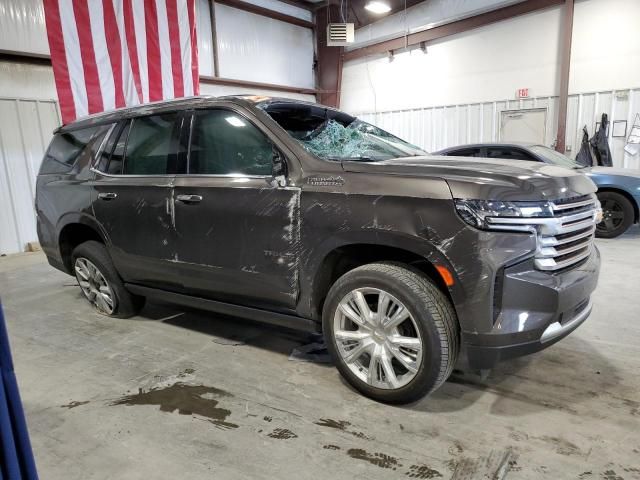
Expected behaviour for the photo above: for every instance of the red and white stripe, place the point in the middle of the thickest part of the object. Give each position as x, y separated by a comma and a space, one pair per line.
114, 53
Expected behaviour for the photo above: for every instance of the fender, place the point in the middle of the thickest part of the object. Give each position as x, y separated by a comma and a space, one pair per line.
315, 258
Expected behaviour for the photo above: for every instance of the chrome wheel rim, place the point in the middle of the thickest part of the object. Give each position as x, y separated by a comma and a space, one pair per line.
94, 286
377, 338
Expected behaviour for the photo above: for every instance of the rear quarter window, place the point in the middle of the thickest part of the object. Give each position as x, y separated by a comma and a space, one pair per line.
65, 148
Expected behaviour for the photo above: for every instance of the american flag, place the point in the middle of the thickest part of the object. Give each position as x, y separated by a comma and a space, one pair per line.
113, 53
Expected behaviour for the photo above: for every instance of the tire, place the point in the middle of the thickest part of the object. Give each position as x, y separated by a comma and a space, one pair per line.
431, 321
618, 215
91, 257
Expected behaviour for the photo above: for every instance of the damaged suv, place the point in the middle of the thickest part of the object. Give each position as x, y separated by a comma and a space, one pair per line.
303, 216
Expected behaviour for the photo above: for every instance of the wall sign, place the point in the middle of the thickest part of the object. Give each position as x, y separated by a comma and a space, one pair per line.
522, 93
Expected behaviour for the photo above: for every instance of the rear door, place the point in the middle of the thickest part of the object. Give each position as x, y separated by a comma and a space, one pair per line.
237, 228
132, 198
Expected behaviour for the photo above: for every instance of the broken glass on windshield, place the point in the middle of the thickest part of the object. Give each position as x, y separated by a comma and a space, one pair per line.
334, 135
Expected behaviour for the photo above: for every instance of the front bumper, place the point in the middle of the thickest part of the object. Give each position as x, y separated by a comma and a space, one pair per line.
534, 310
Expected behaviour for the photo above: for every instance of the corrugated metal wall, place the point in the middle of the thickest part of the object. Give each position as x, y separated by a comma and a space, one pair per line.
26, 126
435, 128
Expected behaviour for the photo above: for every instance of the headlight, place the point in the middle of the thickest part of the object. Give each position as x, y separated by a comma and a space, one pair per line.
477, 212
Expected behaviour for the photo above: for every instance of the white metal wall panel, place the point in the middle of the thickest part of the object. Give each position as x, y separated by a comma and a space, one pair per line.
22, 26
435, 128
256, 48
205, 38
25, 131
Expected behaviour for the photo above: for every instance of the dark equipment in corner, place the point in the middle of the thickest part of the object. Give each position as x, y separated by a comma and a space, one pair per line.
600, 143
16, 457
595, 151
585, 155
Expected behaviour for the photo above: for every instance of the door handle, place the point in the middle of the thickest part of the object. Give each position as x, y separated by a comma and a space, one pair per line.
189, 198
107, 195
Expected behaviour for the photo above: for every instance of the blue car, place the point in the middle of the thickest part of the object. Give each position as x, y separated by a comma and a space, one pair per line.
618, 188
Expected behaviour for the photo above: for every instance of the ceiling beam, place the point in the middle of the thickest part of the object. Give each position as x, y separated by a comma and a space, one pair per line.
265, 12
453, 28
232, 82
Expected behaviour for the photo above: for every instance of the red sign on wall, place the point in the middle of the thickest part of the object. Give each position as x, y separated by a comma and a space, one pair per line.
522, 93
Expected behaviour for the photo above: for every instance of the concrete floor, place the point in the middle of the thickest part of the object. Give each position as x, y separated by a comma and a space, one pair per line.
230, 404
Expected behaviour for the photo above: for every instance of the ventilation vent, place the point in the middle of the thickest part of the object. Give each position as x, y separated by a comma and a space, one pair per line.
339, 34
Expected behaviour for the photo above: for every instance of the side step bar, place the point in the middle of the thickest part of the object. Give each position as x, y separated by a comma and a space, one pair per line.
250, 313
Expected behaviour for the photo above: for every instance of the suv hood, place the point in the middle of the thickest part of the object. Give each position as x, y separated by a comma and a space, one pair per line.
486, 179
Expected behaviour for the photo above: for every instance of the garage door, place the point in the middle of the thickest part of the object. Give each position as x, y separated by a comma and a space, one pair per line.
523, 125
25, 131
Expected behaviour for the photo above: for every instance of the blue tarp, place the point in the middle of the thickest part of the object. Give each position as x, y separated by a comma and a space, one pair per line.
16, 457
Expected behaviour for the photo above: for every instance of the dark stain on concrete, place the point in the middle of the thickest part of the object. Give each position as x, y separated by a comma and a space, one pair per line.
611, 475
282, 434
341, 425
381, 460
562, 446
268, 419
74, 404
586, 474
331, 447
422, 471
456, 448
186, 371
186, 399
330, 423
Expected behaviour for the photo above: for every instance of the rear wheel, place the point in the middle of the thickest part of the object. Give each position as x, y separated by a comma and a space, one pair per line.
100, 282
617, 215
392, 333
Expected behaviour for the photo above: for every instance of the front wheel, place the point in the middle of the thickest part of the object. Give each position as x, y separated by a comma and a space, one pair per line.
392, 333
617, 215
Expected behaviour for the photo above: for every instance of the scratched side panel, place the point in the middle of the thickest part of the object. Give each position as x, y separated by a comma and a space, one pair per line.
416, 215
139, 226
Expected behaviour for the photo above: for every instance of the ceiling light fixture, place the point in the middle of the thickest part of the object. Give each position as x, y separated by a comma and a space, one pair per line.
378, 7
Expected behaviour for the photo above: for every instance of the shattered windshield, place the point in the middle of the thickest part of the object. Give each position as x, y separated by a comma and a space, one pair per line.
333, 135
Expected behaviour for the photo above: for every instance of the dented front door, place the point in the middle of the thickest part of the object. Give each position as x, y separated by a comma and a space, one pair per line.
238, 239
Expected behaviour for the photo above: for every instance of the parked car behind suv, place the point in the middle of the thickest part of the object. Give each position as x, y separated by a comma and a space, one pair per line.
618, 188
303, 216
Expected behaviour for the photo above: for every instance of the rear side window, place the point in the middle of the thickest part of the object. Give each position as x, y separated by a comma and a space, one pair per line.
223, 142
151, 147
465, 152
508, 154
65, 148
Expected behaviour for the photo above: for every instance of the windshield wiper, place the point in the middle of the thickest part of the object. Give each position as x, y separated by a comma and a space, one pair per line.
351, 159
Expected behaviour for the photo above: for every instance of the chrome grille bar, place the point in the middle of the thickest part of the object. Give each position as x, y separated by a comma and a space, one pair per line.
564, 239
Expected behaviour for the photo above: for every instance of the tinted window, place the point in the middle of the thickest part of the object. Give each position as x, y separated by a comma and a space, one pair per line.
116, 155
151, 146
223, 142
508, 154
465, 152
65, 148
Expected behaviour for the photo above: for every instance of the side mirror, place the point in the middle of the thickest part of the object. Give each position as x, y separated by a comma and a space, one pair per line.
279, 168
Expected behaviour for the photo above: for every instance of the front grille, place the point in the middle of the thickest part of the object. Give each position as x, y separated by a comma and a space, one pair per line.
567, 238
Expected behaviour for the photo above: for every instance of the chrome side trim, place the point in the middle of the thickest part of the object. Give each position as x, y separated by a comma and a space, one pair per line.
556, 329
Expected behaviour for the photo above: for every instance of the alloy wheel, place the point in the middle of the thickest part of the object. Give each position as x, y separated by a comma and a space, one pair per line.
377, 338
612, 216
94, 286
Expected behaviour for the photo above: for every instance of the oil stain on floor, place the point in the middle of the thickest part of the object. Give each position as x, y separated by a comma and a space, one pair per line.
186, 400
282, 434
381, 460
341, 425
73, 404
